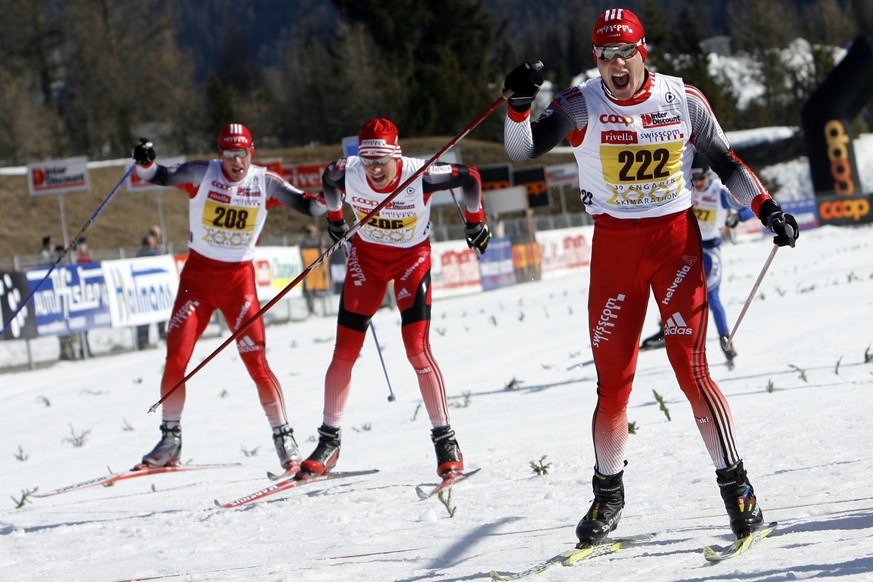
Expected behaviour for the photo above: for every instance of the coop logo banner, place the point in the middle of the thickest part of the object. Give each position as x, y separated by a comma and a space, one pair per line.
71, 300
843, 211
13, 292
58, 176
142, 290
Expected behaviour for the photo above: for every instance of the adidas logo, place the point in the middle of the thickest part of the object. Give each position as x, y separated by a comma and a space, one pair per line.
676, 325
404, 293
246, 345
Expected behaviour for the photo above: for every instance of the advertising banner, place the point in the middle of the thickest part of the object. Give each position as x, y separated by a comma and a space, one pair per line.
140, 290
305, 176
564, 249
454, 269
73, 299
495, 177
13, 291
827, 117
562, 175
495, 266
534, 182
275, 268
843, 210
58, 176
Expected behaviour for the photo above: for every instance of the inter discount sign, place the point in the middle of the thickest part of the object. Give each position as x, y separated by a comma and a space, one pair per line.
57, 176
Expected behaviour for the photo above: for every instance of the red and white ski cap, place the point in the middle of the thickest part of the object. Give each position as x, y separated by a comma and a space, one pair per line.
377, 138
235, 136
619, 25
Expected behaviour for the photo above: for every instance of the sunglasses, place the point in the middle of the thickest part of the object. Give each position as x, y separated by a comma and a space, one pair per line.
231, 154
625, 51
381, 161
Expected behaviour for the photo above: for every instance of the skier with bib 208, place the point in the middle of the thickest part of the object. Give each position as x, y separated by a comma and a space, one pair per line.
228, 202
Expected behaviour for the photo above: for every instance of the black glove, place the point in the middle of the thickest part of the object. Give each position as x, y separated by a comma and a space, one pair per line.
784, 226
524, 81
337, 229
732, 220
478, 235
144, 152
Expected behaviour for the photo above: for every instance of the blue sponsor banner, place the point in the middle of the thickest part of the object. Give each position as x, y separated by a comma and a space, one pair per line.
805, 212
141, 290
495, 265
72, 299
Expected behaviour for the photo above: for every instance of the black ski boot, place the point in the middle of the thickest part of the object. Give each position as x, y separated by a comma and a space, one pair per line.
739, 500
654, 341
326, 453
729, 352
448, 453
605, 511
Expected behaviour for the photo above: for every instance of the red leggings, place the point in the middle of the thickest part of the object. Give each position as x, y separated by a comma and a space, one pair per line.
206, 285
370, 268
630, 259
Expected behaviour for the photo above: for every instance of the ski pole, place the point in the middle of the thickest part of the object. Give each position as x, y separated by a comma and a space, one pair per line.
384, 368
69, 247
752, 294
336, 245
378, 347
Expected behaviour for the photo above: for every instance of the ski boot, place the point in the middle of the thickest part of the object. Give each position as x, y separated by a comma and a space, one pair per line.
654, 341
325, 455
739, 500
605, 511
286, 446
729, 352
448, 453
168, 451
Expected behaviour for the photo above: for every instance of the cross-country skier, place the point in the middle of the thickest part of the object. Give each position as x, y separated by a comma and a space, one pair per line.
229, 201
393, 245
633, 133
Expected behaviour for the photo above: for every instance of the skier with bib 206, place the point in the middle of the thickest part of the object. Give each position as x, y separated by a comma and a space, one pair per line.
393, 245
633, 133
229, 198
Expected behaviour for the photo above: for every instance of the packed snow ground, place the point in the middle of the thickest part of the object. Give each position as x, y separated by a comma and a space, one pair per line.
801, 395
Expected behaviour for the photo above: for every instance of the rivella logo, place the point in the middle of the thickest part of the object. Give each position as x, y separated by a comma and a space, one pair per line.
838, 153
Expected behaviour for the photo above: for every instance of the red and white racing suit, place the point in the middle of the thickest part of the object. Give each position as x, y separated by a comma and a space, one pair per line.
633, 159
393, 246
225, 221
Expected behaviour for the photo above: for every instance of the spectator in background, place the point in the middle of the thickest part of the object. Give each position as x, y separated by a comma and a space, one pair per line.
49, 252
83, 253
75, 346
155, 232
